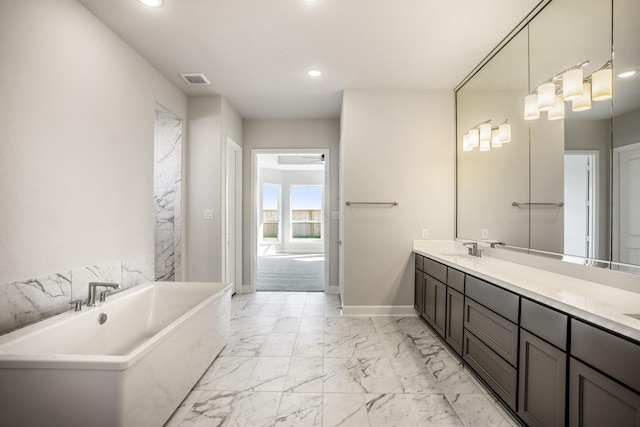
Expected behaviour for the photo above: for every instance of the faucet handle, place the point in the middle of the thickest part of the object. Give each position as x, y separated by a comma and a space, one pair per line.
495, 244
77, 304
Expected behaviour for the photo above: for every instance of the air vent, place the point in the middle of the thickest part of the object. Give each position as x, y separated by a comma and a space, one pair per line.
195, 78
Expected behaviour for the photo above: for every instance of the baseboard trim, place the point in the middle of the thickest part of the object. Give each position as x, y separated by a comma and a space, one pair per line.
378, 310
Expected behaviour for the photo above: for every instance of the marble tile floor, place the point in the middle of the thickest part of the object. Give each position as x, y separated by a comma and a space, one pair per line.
292, 360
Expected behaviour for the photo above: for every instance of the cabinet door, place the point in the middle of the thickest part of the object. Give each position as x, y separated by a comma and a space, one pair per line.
542, 374
455, 319
429, 299
440, 314
418, 295
596, 400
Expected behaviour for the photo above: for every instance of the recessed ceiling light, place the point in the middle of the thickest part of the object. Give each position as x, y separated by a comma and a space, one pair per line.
311, 1
151, 3
627, 74
314, 73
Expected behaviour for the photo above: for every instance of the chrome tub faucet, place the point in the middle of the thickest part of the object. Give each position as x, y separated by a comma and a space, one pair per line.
473, 249
91, 301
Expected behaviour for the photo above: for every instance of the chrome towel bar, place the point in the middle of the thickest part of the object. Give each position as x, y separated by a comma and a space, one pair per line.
517, 204
372, 203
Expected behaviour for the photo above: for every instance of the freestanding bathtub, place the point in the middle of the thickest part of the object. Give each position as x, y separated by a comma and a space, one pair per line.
132, 370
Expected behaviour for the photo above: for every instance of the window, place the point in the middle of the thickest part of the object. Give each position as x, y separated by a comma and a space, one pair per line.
270, 212
306, 212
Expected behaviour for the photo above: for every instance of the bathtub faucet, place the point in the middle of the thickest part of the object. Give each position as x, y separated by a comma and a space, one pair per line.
91, 302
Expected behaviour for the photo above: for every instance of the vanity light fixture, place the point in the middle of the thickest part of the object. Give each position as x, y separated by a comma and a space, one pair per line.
152, 3
627, 74
546, 96
495, 138
584, 102
474, 138
572, 84
486, 136
557, 112
602, 84
531, 111
505, 132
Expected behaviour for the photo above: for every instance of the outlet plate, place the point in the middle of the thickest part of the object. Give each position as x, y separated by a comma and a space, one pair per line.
484, 233
207, 214
425, 233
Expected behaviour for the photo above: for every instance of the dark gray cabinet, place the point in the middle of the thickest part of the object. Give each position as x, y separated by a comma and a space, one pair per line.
455, 319
495, 331
542, 382
418, 295
595, 400
435, 304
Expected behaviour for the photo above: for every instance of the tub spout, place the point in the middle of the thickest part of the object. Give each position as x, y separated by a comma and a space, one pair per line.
91, 301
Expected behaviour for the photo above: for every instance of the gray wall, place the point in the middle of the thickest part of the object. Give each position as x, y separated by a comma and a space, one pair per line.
290, 134
76, 154
397, 146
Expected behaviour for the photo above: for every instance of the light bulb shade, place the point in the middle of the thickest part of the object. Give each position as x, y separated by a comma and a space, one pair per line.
474, 138
572, 84
531, 111
495, 139
584, 102
546, 96
465, 143
485, 145
485, 132
557, 112
505, 132
602, 85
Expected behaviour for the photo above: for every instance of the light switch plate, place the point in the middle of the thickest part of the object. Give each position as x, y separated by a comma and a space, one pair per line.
485, 233
207, 214
425, 233
335, 215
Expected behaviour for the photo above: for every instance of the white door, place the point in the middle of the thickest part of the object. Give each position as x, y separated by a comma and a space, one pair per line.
578, 204
626, 204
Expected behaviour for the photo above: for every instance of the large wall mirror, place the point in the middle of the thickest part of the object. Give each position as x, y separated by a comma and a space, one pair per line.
546, 166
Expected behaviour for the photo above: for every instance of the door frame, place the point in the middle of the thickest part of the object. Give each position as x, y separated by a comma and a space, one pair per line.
615, 214
326, 198
231, 145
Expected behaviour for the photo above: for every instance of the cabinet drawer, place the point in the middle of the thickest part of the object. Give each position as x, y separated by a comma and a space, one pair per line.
495, 331
546, 323
502, 302
435, 269
419, 262
499, 375
455, 279
609, 353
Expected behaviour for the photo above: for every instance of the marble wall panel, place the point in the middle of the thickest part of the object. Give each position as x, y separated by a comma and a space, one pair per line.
110, 272
137, 270
28, 301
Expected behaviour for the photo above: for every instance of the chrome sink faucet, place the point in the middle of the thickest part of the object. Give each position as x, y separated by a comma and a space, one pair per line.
91, 302
473, 249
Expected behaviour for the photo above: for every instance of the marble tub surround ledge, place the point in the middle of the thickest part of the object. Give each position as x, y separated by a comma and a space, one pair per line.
28, 301
594, 302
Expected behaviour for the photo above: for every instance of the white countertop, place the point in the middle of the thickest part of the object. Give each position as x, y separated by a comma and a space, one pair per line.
603, 305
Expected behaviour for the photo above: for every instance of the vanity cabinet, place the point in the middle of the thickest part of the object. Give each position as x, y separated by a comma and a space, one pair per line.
418, 292
549, 367
543, 365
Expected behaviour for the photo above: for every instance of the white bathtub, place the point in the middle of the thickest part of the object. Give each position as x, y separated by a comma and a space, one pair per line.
133, 370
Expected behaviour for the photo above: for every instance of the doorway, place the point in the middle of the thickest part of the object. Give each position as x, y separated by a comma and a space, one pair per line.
580, 203
290, 231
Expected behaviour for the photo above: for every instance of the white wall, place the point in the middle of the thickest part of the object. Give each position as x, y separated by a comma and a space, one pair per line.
290, 134
397, 146
211, 120
77, 134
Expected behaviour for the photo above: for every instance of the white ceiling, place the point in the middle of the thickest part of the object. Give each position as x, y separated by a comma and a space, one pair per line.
256, 52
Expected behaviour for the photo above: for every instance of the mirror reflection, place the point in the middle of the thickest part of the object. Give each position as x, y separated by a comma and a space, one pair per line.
568, 183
